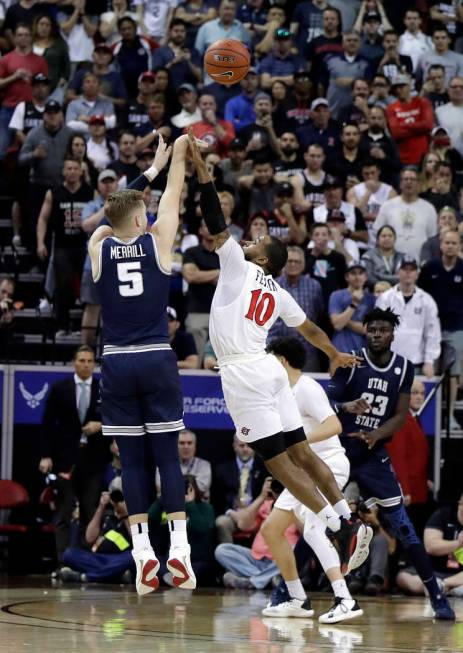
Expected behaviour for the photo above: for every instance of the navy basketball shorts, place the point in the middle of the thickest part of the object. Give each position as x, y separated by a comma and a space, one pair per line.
377, 480
140, 393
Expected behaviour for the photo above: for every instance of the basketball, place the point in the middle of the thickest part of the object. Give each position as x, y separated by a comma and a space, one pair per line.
227, 61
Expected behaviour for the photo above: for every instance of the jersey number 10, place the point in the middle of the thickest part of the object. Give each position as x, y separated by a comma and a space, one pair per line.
261, 307
131, 279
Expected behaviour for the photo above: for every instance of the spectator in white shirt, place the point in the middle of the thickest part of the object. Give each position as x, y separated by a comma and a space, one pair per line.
413, 42
100, 150
190, 113
450, 115
414, 219
418, 335
154, 17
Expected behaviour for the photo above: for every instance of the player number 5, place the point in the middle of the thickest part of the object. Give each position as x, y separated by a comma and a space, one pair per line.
131, 279
261, 308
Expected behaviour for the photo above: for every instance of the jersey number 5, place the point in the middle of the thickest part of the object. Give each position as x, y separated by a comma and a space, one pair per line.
131, 279
261, 308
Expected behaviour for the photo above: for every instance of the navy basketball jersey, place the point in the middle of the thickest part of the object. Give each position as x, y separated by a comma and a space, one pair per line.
133, 291
380, 386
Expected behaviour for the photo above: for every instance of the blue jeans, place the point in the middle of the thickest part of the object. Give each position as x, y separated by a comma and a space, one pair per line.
239, 560
98, 567
6, 134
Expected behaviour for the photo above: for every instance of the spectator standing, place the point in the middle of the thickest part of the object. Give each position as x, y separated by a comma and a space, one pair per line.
413, 219
137, 108
418, 335
225, 26
347, 162
372, 48
441, 145
109, 19
47, 43
341, 70
78, 30
126, 163
450, 115
294, 111
309, 184
24, 11
236, 165
324, 264
191, 465
442, 278
17, 68
182, 344
322, 129
158, 122
452, 62
379, 146
413, 42
348, 307
410, 121
260, 137
182, 62
328, 43
214, 131
356, 113
100, 150
435, 88
132, 54
201, 271
72, 446
308, 294
380, 95
281, 64
235, 485
383, 261
195, 13
393, 63
441, 192
62, 212
307, 21
239, 110
257, 190
91, 103
28, 115
290, 162
154, 17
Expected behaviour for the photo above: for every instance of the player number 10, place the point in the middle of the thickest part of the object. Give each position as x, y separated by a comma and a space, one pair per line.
261, 307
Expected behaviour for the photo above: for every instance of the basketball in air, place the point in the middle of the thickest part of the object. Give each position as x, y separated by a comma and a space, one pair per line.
227, 61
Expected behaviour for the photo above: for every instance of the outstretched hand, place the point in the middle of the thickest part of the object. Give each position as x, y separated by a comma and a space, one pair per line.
162, 154
370, 438
344, 360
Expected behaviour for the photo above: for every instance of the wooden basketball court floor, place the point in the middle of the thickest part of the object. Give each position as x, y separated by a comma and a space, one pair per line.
39, 618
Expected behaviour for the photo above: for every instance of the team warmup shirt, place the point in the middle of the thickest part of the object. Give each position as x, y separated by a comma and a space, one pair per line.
245, 306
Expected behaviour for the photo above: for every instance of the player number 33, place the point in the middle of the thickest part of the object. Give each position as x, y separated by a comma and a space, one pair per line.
378, 404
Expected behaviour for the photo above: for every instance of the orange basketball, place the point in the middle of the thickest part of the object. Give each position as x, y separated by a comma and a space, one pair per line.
227, 61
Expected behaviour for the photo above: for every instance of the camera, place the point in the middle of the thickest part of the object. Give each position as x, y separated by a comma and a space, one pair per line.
52, 481
116, 496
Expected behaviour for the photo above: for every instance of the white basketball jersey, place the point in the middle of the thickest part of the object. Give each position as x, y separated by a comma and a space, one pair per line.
315, 408
246, 304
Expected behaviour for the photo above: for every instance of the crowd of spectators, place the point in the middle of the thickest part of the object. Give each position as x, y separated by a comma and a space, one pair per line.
344, 139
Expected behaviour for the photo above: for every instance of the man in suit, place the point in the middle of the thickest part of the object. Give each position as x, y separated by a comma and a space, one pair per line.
72, 446
236, 483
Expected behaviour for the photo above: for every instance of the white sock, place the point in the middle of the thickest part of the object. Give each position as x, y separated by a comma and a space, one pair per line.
295, 589
340, 589
140, 537
329, 517
177, 530
342, 508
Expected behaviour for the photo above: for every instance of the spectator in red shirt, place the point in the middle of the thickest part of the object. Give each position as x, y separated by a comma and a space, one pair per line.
410, 121
17, 69
217, 133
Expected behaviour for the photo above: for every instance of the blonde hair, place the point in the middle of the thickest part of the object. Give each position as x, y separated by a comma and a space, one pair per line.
225, 195
380, 287
120, 205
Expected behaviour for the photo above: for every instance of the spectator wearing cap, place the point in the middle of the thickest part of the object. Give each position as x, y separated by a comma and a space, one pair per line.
339, 72
441, 54
90, 103
190, 113
356, 113
29, 114
92, 215
109, 19
125, 166
225, 26
294, 111
290, 162
111, 85
307, 21
328, 43
410, 121
236, 165
372, 43
17, 68
393, 63
377, 144
100, 149
418, 335
450, 115
434, 88
281, 64
322, 129
260, 137
414, 219
48, 43
217, 133
132, 54
43, 152
413, 42
323, 263
78, 29
182, 343
239, 110
348, 307
137, 108
308, 294
183, 63
442, 278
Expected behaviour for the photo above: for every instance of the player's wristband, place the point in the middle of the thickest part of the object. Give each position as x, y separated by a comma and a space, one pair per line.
151, 173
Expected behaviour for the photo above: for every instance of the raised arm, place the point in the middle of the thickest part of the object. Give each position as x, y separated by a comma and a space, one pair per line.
318, 338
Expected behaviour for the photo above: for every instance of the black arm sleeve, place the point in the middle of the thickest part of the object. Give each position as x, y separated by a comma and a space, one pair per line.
211, 209
140, 183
